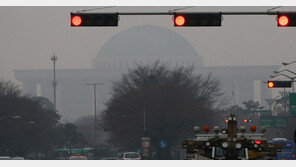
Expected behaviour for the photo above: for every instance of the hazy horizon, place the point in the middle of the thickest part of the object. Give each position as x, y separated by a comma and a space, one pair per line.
32, 34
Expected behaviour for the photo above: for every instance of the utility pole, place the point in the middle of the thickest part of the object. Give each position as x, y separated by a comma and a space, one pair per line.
95, 109
144, 120
54, 58
233, 94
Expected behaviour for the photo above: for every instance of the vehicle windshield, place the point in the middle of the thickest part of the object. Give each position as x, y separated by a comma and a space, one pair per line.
5, 158
219, 152
287, 145
77, 158
131, 155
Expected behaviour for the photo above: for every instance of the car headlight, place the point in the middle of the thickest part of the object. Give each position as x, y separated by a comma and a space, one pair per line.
238, 145
225, 144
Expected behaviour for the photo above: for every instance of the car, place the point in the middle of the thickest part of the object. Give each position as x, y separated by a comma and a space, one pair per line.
17, 158
78, 157
131, 156
5, 158
110, 158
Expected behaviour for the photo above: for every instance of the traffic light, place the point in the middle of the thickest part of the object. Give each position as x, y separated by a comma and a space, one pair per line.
94, 19
286, 20
247, 120
279, 84
193, 19
295, 135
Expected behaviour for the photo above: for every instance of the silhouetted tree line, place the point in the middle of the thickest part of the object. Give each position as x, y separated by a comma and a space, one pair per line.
30, 125
173, 100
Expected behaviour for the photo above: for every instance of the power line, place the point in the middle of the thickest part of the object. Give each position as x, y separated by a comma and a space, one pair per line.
273, 8
170, 11
87, 10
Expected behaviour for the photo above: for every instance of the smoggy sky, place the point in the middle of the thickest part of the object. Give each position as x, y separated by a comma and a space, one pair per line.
30, 35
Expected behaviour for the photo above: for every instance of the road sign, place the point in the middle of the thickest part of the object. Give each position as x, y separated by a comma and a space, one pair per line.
265, 112
145, 143
293, 103
139, 150
145, 146
163, 144
145, 152
145, 138
273, 121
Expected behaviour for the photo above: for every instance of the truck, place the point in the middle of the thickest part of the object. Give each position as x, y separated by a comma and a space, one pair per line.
231, 143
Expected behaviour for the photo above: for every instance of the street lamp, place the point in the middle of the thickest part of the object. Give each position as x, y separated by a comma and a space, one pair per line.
17, 117
277, 72
54, 58
95, 108
285, 64
31, 122
292, 79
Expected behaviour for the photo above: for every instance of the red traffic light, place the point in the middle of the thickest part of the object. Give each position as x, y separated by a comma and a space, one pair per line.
257, 141
279, 84
270, 84
283, 20
226, 120
76, 20
180, 20
253, 128
94, 19
245, 120
197, 19
206, 129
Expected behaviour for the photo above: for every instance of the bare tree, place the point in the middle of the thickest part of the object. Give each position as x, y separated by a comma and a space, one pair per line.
174, 100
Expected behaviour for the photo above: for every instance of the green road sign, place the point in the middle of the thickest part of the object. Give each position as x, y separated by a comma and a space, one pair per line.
265, 112
273, 121
293, 103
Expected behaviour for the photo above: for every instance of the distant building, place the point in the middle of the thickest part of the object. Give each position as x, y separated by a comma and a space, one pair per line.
138, 45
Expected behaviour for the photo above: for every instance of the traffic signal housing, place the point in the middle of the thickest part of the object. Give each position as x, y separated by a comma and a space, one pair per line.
279, 84
94, 19
286, 20
197, 19
247, 120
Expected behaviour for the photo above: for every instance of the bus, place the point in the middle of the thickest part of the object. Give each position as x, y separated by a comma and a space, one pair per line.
287, 150
65, 153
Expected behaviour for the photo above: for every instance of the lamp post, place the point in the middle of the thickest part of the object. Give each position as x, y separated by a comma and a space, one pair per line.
14, 117
285, 64
95, 109
54, 58
277, 72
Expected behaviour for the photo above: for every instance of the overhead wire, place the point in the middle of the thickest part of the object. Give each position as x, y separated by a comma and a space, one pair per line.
269, 10
174, 10
87, 10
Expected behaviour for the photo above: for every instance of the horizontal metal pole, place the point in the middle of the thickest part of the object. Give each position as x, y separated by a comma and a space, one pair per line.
172, 13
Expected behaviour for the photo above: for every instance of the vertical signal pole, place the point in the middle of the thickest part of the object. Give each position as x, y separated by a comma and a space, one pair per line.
144, 120
95, 109
54, 58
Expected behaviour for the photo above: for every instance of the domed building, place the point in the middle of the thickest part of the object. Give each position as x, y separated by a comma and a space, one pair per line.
137, 45
144, 45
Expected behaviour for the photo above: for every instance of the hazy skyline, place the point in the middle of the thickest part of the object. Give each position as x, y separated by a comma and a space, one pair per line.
30, 35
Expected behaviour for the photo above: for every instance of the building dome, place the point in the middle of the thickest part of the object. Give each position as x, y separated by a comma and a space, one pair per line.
145, 44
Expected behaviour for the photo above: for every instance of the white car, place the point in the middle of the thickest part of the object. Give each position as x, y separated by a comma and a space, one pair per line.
78, 157
5, 158
131, 156
17, 158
